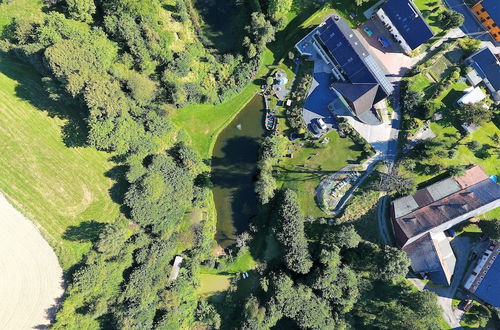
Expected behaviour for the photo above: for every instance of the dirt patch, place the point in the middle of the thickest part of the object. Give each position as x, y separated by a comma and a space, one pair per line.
31, 280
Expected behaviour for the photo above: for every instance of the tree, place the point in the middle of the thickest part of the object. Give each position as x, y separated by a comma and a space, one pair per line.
469, 45
401, 308
343, 236
269, 81
412, 100
452, 19
260, 31
111, 240
495, 138
394, 264
334, 281
456, 170
208, 315
159, 198
142, 89
185, 156
289, 231
81, 10
491, 228
478, 315
360, 2
429, 108
297, 302
393, 182
265, 186
254, 314
273, 146
278, 8
476, 113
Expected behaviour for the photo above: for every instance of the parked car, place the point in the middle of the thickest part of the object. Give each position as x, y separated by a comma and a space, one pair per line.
368, 31
321, 123
383, 42
315, 129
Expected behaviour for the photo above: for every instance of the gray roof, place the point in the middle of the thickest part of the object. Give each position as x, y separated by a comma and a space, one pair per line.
361, 96
432, 254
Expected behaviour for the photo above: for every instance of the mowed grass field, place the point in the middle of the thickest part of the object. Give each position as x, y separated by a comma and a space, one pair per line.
18, 9
62, 189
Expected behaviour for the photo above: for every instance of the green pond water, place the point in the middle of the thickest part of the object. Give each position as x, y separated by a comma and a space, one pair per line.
234, 170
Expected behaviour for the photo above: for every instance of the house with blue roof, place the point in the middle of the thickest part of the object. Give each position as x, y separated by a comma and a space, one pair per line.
405, 23
358, 81
485, 69
484, 281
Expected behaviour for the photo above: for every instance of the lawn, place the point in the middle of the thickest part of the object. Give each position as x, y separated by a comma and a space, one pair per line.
211, 284
216, 280
61, 189
430, 10
242, 263
449, 98
421, 83
310, 165
18, 9
465, 156
347, 7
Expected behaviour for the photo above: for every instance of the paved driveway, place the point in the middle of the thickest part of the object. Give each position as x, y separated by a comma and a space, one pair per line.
320, 95
392, 58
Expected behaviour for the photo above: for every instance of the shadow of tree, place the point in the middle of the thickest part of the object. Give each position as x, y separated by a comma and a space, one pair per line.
35, 89
120, 186
86, 231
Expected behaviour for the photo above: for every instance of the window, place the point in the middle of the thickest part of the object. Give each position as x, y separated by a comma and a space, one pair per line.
494, 24
477, 12
482, 20
483, 10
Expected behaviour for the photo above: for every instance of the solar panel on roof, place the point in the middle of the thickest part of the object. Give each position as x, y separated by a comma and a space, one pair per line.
350, 55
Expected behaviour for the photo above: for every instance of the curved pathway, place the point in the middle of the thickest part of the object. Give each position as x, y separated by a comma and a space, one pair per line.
31, 280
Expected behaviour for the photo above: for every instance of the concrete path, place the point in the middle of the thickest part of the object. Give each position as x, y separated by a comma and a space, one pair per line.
381, 219
31, 280
369, 166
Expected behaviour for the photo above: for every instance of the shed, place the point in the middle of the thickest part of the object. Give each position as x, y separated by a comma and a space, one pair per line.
175, 268
472, 96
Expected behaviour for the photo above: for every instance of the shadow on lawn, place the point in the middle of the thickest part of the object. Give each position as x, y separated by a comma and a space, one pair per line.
86, 231
36, 90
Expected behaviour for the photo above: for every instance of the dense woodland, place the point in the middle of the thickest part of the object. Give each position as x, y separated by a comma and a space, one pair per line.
123, 63
128, 70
